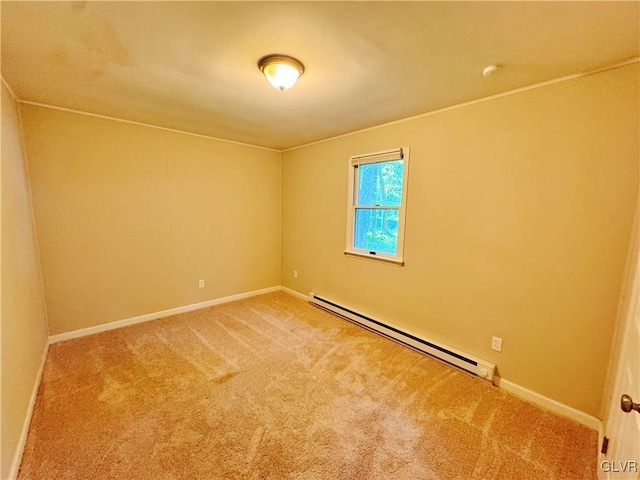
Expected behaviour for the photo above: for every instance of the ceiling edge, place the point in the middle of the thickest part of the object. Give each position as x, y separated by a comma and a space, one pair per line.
116, 119
6, 84
473, 102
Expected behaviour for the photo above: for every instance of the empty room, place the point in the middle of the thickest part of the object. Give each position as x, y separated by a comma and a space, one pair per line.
320, 240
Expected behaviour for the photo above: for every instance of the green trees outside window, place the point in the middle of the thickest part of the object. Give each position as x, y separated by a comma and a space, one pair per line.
379, 197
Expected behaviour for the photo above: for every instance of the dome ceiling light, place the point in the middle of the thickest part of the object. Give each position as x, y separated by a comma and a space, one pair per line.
282, 71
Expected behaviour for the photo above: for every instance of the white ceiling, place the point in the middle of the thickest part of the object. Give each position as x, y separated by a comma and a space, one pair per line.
191, 66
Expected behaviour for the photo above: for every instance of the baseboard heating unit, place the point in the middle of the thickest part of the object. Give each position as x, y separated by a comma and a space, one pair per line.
462, 360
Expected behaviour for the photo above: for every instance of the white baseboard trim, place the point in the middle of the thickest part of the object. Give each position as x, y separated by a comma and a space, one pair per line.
17, 456
299, 295
550, 404
83, 332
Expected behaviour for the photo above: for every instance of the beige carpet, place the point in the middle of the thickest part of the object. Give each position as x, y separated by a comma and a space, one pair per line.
273, 388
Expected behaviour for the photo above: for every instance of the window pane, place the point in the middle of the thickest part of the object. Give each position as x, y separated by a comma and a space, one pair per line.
376, 230
380, 184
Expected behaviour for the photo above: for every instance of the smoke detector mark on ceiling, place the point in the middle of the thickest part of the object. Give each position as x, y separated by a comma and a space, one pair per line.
490, 70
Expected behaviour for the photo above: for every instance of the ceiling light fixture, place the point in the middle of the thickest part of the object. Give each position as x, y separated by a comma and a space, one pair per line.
282, 71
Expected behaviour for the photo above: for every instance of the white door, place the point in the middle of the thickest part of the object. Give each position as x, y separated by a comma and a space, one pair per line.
622, 460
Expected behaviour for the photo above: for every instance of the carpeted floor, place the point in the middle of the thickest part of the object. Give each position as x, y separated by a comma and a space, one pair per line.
273, 388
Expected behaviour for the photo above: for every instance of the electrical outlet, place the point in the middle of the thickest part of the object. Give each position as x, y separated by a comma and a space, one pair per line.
496, 344
295, 274
200, 283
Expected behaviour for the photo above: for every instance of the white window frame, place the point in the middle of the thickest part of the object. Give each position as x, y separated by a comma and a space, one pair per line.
376, 157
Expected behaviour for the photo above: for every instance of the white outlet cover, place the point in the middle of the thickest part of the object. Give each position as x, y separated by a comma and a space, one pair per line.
496, 344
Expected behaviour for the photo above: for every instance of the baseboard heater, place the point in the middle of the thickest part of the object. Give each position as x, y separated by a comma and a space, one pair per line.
462, 360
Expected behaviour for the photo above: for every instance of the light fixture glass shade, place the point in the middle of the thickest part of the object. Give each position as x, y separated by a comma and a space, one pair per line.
282, 71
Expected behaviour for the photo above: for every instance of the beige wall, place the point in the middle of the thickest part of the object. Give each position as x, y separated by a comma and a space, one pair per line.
23, 323
129, 218
518, 219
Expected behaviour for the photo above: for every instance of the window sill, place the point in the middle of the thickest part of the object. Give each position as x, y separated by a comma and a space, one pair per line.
392, 261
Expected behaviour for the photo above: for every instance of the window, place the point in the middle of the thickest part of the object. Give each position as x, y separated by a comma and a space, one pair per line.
376, 205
